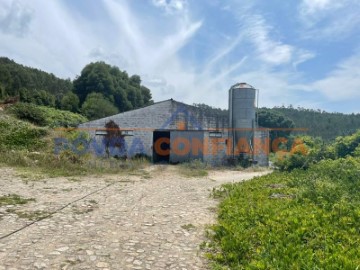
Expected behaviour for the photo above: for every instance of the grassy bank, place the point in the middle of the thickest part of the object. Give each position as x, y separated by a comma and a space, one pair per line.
29, 147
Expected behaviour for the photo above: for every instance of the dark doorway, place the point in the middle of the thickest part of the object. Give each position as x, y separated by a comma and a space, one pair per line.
161, 146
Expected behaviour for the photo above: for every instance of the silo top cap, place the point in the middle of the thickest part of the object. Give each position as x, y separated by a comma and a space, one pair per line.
242, 85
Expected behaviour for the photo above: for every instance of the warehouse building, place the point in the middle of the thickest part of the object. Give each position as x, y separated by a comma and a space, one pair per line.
171, 132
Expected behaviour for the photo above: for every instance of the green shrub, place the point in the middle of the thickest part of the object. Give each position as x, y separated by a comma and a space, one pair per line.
17, 135
46, 116
306, 219
29, 112
347, 145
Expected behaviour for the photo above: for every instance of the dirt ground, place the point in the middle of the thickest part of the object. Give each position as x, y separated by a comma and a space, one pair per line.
152, 219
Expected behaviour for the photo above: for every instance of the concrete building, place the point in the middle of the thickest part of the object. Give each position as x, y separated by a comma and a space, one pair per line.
171, 131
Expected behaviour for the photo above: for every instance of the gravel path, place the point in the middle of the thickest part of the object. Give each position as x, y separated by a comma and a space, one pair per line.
153, 219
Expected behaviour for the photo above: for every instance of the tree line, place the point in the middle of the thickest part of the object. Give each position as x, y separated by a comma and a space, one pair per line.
314, 123
100, 90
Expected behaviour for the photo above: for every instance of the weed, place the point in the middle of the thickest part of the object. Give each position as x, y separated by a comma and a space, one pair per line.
195, 168
31, 215
14, 199
188, 227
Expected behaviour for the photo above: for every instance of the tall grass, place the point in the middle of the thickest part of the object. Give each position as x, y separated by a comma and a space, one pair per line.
195, 168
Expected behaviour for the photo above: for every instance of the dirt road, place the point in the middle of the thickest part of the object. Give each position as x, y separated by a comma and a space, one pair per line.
153, 219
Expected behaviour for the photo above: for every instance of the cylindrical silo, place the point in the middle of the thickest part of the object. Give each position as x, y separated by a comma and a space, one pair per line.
242, 111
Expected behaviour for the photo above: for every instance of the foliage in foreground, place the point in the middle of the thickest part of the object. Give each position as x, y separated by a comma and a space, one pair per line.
298, 220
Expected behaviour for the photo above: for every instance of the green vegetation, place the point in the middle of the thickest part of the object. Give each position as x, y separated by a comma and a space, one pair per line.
115, 86
99, 91
321, 124
30, 84
31, 148
318, 123
188, 227
19, 135
13, 199
31, 215
195, 168
281, 124
305, 218
309, 151
46, 116
96, 106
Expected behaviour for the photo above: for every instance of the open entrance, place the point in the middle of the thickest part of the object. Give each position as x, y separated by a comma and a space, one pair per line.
161, 146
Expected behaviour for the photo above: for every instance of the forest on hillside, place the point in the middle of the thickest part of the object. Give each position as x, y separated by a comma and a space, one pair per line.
100, 89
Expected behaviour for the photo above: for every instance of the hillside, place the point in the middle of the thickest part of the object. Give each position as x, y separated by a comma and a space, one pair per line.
100, 89
322, 124
16, 79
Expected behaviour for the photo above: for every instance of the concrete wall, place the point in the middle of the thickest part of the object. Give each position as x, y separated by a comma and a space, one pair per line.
262, 147
216, 150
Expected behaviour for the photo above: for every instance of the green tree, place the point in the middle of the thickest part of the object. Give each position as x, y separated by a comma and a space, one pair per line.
348, 145
38, 97
43, 88
280, 124
115, 85
70, 102
96, 106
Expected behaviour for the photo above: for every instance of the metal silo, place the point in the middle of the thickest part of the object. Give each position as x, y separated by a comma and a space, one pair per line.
242, 117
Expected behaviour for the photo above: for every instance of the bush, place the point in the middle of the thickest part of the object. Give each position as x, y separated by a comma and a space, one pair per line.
96, 106
347, 145
46, 116
29, 112
16, 135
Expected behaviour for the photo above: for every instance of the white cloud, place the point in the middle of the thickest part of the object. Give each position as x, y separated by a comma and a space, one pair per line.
171, 6
273, 52
330, 19
15, 18
270, 50
302, 56
343, 83
312, 6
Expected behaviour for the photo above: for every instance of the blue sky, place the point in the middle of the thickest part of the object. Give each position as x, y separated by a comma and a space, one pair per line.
305, 52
